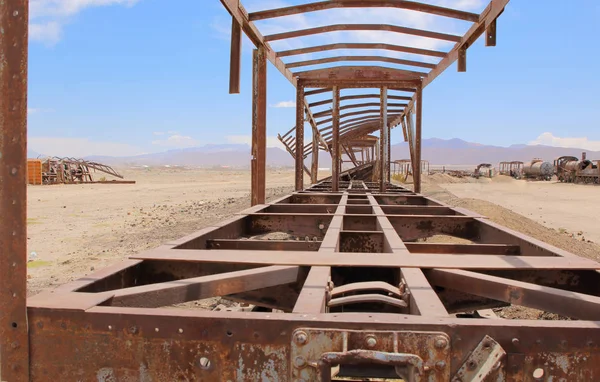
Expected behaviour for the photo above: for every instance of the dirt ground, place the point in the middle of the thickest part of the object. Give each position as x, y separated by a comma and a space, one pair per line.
76, 229
574, 239
566, 207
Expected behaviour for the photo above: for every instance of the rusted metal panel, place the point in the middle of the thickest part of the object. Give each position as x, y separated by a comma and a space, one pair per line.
262, 345
14, 350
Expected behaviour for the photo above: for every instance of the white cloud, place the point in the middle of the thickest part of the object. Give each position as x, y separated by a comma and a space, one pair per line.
247, 140
158, 133
177, 141
80, 147
48, 17
550, 139
285, 104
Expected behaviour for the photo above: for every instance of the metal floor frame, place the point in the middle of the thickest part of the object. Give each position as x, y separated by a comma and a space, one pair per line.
354, 284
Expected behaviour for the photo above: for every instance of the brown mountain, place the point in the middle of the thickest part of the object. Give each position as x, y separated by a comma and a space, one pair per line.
436, 151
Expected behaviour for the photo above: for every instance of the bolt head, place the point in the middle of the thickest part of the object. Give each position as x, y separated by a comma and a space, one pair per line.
301, 337
515, 341
441, 343
371, 342
300, 361
440, 365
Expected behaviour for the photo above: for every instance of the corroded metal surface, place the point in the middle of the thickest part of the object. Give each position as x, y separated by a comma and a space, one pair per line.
14, 357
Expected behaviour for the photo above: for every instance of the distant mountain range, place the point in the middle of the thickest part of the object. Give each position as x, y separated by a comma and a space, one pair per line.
436, 151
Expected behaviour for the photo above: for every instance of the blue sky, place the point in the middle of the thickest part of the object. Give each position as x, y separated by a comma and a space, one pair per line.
124, 77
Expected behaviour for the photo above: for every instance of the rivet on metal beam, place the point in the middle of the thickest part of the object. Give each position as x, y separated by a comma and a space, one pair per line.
300, 337
490, 34
371, 342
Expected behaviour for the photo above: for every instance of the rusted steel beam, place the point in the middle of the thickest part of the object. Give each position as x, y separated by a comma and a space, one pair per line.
14, 341
313, 296
323, 5
316, 91
299, 159
394, 48
237, 11
364, 73
406, 85
358, 96
570, 304
418, 134
363, 27
388, 167
489, 249
391, 60
335, 144
259, 127
314, 168
360, 260
462, 59
349, 155
383, 140
423, 299
222, 284
356, 106
360, 112
348, 121
490, 34
263, 245
235, 62
313, 124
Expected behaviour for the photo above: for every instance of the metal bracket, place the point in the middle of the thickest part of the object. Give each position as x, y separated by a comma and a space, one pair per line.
483, 362
316, 354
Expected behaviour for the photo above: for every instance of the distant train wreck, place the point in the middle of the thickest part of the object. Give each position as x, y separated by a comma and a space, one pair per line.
570, 169
55, 170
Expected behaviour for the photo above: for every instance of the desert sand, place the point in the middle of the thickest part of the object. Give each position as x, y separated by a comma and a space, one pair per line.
563, 206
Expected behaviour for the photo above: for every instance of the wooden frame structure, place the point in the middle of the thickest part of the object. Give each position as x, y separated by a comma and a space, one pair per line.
354, 289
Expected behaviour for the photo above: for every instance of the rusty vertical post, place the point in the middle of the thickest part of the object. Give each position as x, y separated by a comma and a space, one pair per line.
14, 341
411, 142
389, 154
383, 140
259, 126
299, 165
235, 57
335, 141
419, 123
314, 168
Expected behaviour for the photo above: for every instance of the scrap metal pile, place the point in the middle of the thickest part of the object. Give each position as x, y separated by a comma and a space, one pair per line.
56, 170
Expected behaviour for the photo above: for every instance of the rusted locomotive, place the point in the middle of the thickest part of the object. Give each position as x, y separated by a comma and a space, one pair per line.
570, 169
538, 169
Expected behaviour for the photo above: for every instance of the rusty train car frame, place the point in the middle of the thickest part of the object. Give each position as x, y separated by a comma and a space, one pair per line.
355, 289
